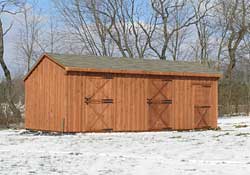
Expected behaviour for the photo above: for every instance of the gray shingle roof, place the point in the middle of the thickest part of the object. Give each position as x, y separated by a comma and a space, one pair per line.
130, 64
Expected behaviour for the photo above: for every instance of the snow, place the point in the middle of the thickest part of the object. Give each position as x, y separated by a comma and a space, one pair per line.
226, 151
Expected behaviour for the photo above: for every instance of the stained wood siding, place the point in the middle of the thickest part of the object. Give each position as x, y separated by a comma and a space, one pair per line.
182, 117
45, 97
159, 103
56, 101
127, 113
205, 95
74, 91
131, 107
130, 110
187, 95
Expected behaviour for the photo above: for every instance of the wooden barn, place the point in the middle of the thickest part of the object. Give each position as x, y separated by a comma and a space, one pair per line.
70, 93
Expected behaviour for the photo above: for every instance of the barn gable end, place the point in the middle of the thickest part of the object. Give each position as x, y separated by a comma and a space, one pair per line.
44, 96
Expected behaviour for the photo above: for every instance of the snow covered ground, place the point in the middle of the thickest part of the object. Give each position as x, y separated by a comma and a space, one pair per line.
204, 152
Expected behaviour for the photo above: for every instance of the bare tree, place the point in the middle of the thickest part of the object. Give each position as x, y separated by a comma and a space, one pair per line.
112, 26
164, 10
37, 34
203, 30
221, 40
220, 26
124, 27
29, 30
177, 39
117, 23
9, 7
236, 15
85, 26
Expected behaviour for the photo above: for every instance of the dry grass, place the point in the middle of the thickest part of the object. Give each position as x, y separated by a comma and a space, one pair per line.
7, 122
240, 126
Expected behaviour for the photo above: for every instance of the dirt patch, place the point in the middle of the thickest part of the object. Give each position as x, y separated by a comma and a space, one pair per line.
243, 134
175, 137
220, 135
240, 126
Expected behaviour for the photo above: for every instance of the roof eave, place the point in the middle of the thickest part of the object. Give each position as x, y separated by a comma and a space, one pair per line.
138, 72
143, 72
38, 62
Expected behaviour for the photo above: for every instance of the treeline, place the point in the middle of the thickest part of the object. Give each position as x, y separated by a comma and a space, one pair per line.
212, 32
234, 94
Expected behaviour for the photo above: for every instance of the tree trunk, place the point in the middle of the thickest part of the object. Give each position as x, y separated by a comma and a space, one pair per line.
7, 75
231, 65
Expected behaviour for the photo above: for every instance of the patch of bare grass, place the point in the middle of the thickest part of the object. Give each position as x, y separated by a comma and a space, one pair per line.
240, 126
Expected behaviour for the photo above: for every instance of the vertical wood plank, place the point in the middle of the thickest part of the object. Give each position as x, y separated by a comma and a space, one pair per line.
51, 95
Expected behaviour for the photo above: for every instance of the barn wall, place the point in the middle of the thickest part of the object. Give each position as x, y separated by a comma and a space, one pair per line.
75, 121
55, 101
131, 108
185, 95
209, 98
182, 116
214, 103
44, 97
130, 112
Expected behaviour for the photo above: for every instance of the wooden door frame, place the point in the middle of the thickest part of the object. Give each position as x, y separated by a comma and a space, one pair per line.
206, 107
151, 102
89, 101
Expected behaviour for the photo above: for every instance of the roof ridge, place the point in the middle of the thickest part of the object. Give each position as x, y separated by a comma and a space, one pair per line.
116, 64
128, 58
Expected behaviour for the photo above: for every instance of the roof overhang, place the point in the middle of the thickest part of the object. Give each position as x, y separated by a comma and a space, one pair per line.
38, 62
140, 72
116, 71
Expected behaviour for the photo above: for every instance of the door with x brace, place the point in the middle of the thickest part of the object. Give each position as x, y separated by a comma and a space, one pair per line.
159, 103
202, 105
99, 103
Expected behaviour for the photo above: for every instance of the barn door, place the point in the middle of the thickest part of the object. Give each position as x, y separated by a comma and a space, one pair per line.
202, 105
99, 103
159, 103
